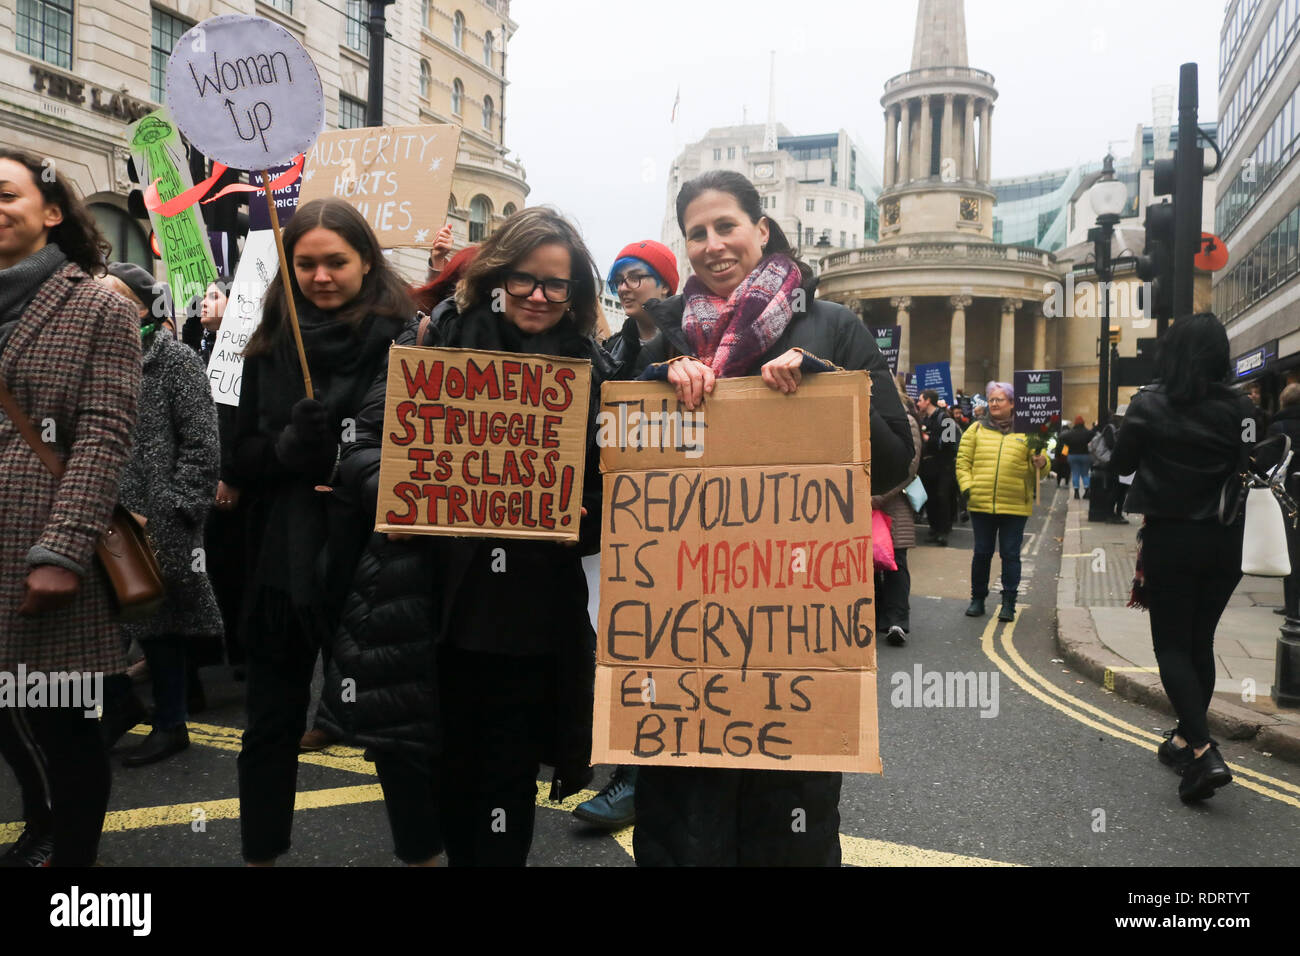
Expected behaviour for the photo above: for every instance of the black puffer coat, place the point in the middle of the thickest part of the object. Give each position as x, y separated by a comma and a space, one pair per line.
405, 594
708, 817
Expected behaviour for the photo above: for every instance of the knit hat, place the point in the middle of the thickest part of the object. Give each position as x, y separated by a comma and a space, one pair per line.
152, 293
1078, 419
655, 256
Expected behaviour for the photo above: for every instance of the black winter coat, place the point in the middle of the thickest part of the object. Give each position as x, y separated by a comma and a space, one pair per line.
409, 596
1182, 453
831, 332
1077, 439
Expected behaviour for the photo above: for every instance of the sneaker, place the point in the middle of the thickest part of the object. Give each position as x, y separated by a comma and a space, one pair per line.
1173, 756
896, 636
34, 848
612, 808
976, 608
1204, 775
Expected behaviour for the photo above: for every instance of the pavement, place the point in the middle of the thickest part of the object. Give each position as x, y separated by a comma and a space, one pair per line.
1111, 643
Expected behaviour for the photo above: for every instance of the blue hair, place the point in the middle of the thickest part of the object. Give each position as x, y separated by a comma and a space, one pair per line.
628, 261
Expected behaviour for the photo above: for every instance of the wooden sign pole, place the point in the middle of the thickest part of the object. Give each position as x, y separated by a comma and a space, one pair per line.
288, 285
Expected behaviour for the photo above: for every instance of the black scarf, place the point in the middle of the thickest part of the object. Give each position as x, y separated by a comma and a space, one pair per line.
20, 283
482, 328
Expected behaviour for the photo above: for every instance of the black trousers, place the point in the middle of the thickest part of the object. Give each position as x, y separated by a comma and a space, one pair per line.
1191, 569
281, 658
412, 801
498, 713
697, 816
58, 756
893, 593
939, 477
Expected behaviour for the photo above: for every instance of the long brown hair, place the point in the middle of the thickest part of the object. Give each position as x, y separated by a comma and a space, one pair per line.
78, 236
383, 292
517, 237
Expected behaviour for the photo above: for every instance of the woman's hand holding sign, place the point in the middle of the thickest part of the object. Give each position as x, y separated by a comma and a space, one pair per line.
783, 373
692, 379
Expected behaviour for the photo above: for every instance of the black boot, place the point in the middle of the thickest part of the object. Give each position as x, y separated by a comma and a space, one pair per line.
976, 608
159, 745
1076, 494
1008, 612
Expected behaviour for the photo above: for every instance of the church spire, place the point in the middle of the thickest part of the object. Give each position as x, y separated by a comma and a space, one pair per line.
940, 34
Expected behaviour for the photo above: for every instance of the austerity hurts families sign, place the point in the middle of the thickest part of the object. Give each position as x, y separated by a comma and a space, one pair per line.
483, 443
736, 617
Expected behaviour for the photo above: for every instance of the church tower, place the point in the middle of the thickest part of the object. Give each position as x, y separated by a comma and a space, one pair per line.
938, 130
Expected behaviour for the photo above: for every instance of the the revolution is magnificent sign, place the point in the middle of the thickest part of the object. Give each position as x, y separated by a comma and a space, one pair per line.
483, 443
736, 618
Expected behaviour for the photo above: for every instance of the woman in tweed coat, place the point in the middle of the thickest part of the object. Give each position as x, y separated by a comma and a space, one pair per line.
171, 480
70, 354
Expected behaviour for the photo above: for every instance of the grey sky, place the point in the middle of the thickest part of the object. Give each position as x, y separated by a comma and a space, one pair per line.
592, 84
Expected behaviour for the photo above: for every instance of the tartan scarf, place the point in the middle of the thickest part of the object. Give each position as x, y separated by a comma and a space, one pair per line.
730, 334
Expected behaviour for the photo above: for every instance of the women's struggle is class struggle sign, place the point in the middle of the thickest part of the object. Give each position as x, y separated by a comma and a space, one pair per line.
245, 92
483, 443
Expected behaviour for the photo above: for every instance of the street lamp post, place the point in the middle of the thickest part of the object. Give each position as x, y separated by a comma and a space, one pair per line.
375, 92
1107, 196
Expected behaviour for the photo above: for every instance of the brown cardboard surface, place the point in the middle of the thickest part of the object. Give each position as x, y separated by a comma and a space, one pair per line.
398, 177
737, 616
483, 443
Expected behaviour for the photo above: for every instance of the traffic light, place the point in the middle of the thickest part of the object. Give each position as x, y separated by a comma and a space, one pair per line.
1156, 264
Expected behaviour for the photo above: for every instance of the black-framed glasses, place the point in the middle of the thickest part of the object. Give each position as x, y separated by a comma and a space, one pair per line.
630, 279
522, 284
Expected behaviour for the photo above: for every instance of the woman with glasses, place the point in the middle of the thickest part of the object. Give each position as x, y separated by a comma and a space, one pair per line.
458, 751
996, 473
643, 271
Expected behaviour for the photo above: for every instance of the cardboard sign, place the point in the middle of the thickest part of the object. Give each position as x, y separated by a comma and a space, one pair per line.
736, 623
159, 154
286, 200
483, 443
1038, 398
244, 91
398, 177
935, 375
257, 267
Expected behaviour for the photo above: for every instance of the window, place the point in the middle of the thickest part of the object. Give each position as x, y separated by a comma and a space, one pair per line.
426, 79
487, 112
844, 239
830, 206
717, 155
167, 29
810, 205
352, 112
458, 31
357, 18
731, 152
45, 30
128, 241
744, 151
480, 210
508, 210
808, 235
284, 6
457, 94
426, 8
487, 49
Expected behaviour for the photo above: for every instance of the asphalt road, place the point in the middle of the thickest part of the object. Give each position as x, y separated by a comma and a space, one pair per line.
1060, 772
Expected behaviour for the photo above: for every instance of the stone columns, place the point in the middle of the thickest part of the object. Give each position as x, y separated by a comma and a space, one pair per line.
1040, 340
903, 320
891, 147
957, 341
905, 154
923, 167
1007, 341
986, 138
968, 141
945, 134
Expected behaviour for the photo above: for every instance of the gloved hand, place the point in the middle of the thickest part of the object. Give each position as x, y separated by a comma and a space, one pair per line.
965, 500
306, 445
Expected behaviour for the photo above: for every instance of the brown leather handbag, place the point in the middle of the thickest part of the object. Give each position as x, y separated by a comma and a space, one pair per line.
124, 550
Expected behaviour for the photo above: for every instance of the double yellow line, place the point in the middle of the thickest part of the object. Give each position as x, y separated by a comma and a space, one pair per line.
1015, 667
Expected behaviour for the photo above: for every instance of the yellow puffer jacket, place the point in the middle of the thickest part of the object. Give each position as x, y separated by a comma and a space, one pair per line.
997, 470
